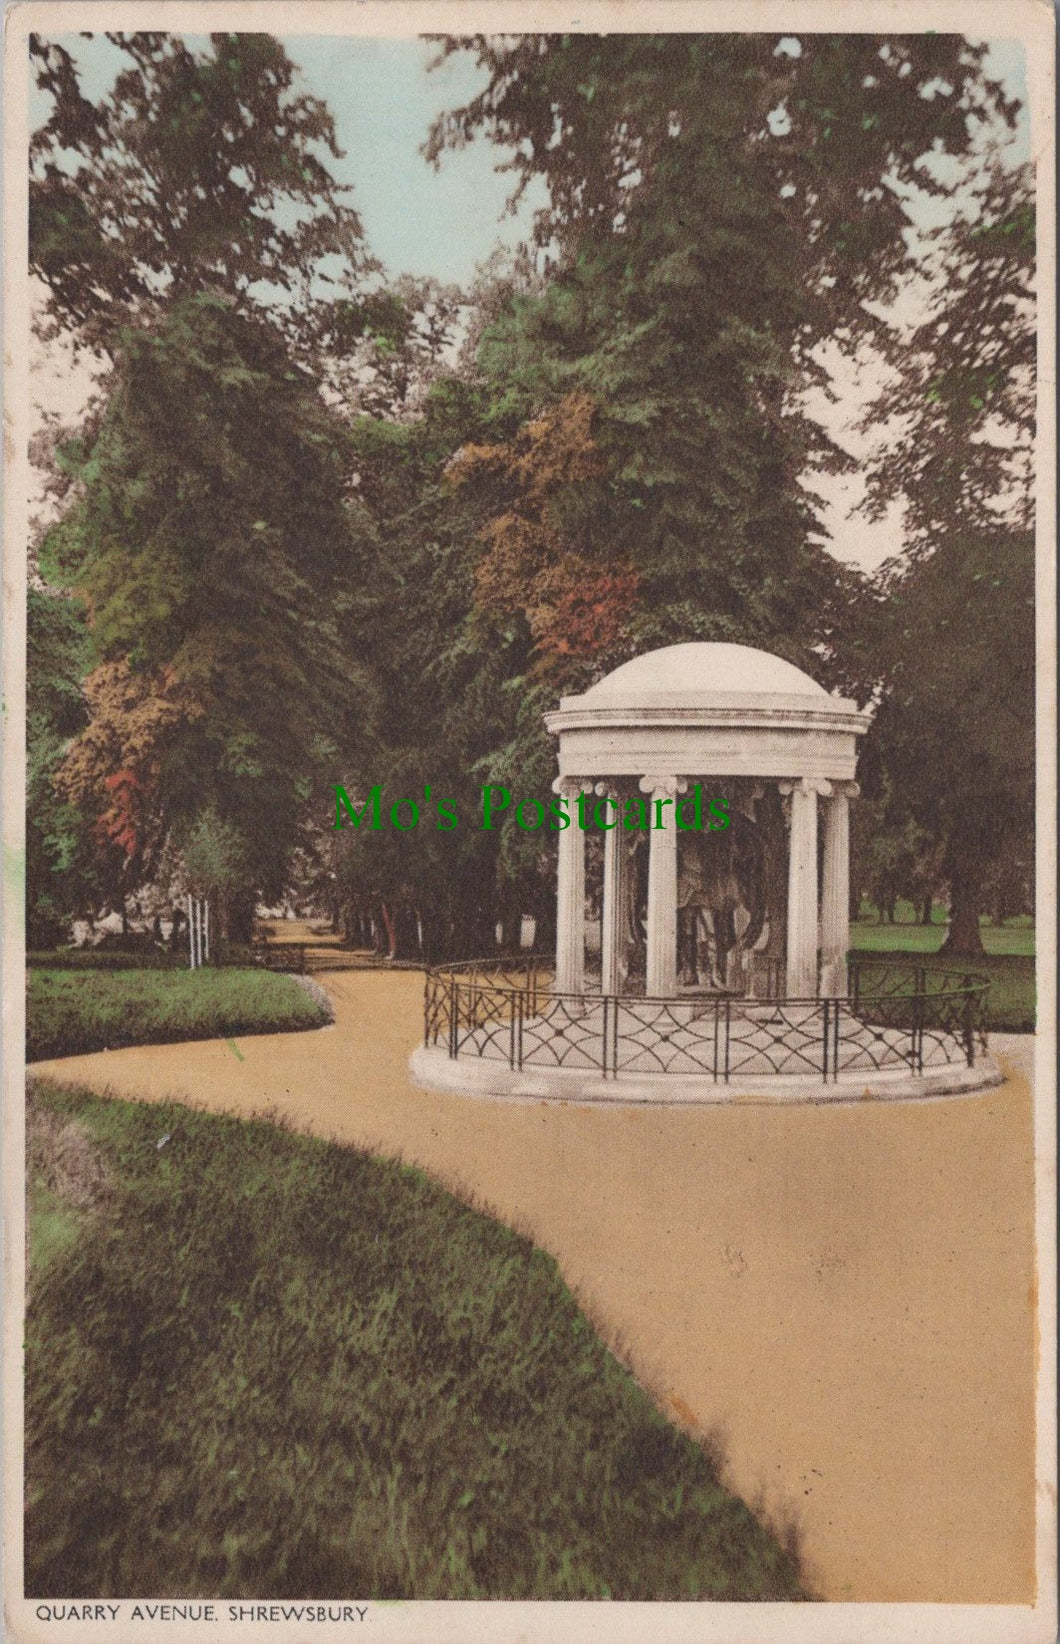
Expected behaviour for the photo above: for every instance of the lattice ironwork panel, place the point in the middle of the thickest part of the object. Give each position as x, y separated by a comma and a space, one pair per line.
486, 1022
565, 1031
781, 1038
505, 1010
655, 1036
869, 1047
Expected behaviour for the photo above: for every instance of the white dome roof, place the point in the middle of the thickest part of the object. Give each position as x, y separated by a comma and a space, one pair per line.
703, 669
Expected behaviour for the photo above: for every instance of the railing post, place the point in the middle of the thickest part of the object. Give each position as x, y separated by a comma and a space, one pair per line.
524, 1001
606, 1002
918, 1033
717, 1030
453, 1025
969, 1032
728, 1023
826, 1025
427, 1012
836, 1007
513, 1015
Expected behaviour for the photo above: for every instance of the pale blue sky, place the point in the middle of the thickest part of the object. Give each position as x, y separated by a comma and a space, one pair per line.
445, 223
384, 98
417, 220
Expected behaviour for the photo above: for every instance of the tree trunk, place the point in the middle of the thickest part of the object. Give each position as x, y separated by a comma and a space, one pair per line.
925, 911
239, 917
391, 932
964, 940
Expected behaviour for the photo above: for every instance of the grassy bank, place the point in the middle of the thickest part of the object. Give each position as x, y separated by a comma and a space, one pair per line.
70, 1012
262, 1365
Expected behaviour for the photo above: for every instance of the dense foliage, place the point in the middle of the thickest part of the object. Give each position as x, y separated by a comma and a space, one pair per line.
199, 170
60, 870
957, 648
220, 555
383, 569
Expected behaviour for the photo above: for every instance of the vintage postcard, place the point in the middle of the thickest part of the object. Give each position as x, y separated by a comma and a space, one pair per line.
529, 749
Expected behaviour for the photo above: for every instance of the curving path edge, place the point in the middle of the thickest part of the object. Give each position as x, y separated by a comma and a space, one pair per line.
844, 1294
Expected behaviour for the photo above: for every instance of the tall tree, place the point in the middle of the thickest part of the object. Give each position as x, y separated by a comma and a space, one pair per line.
960, 401
830, 127
199, 170
60, 871
718, 205
954, 733
218, 552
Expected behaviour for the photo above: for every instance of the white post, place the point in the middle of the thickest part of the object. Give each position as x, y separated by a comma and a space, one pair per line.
802, 890
661, 979
835, 892
206, 928
613, 956
570, 896
191, 933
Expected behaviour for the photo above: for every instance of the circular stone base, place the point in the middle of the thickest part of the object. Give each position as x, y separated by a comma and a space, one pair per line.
434, 1069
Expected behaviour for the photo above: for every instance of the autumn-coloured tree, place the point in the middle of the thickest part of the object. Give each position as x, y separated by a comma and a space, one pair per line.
112, 769
218, 553
60, 871
719, 205
544, 558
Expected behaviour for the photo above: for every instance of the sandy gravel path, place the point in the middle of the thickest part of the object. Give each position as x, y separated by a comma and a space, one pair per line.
844, 1293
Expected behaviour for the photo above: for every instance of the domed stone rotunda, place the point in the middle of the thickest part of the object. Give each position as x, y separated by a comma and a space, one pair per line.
754, 731
719, 779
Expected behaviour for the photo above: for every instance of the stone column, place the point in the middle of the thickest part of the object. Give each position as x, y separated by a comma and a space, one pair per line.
661, 980
835, 893
614, 960
801, 982
570, 895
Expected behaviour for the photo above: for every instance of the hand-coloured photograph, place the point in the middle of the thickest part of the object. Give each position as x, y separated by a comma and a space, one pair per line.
529, 823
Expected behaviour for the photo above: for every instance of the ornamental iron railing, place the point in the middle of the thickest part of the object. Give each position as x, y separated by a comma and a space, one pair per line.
891, 1017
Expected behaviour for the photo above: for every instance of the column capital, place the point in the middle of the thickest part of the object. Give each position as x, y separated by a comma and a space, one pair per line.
806, 785
846, 790
660, 786
569, 787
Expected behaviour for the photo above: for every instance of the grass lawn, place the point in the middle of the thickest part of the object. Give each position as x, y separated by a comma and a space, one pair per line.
1013, 941
1008, 961
262, 1365
70, 1012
